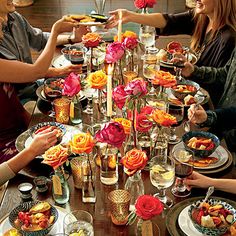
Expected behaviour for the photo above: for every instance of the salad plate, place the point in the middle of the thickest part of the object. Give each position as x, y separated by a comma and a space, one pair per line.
57, 228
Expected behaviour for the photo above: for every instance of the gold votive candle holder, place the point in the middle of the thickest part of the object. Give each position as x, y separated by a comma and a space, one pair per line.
119, 206
129, 75
62, 110
76, 169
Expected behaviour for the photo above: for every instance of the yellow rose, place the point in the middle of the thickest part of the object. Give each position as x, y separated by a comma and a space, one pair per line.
97, 80
82, 143
125, 123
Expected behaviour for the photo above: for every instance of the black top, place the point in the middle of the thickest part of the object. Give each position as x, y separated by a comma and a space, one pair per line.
215, 53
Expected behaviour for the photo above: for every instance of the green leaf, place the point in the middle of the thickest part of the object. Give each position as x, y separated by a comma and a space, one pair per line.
131, 218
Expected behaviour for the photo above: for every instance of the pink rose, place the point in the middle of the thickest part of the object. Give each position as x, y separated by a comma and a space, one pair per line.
71, 85
148, 206
144, 3
114, 52
143, 125
112, 133
136, 87
130, 43
147, 110
119, 96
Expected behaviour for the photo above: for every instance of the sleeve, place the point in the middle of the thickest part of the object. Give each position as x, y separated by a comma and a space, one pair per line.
211, 120
5, 173
37, 38
180, 23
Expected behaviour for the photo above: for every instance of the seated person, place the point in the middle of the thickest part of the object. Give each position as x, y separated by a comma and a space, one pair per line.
20, 37
199, 180
14, 119
39, 145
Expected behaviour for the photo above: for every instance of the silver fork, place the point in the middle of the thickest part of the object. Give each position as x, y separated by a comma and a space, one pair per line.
186, 124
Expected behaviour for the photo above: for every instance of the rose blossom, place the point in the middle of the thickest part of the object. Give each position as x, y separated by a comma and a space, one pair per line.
119, 96
112, 133
91, 40
71, 85
130, 43
147, 110
136, 87
144, 3
114, 52
148, 206
143, 125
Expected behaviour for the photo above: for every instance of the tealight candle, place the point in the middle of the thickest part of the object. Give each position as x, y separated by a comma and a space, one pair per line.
25, 190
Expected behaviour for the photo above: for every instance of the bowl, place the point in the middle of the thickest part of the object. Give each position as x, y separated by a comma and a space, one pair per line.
184, 88
209, 230
74, 53
52, 88
25, 207
200, 134
99, 17
54, 125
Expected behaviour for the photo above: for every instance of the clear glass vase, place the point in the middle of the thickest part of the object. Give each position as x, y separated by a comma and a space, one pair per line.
134, 185
144, 226
75, 110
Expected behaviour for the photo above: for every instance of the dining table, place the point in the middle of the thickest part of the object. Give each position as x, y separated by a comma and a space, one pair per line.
100, 210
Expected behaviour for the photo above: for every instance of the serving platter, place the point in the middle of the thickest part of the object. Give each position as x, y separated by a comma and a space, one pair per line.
57, 228
219, 153
172, 217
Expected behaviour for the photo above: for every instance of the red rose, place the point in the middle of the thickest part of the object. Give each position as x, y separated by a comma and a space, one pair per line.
136, 87
144, 3
130, 43
112, 133
148, 206
143, 125
114, 52
147, 110
119, 96
71, 85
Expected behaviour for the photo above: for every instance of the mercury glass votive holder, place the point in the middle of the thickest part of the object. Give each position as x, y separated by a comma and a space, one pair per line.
62, 110
119, 206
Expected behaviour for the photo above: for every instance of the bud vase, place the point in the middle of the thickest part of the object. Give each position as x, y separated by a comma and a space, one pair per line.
75, 110
144, 226
134, 185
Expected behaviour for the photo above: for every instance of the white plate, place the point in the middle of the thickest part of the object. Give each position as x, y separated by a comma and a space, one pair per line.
186, 224
220, 153
57, 228
91, 23
60, 61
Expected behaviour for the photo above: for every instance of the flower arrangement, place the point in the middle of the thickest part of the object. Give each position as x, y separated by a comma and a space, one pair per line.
162, 118
143, 124
129, 39
136, 88
125, 123
91, 40
111, 133
146, 207
71, 85
82, 143
114, 52
133, 161
97, 80
144, 3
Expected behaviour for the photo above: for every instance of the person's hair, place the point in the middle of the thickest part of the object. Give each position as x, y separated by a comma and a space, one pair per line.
224, 14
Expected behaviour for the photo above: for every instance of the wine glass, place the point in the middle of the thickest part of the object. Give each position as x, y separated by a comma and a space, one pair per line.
183, 168
162, 175
89, 92
147, 36
178, 113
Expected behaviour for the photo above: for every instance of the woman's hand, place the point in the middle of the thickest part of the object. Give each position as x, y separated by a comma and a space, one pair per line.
197, 116
65, 24
113, 20
198, 180
188, 69
43, 141
64, 70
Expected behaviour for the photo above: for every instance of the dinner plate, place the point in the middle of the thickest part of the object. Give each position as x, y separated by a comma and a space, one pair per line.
57, 228
24, 139
92, 23
172, 217
220, 153
201, 96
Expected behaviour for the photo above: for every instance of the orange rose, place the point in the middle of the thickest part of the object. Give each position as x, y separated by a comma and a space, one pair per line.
163, 78
134, 160
125, 123
162, 118
97, 80
91, 39
82, 143
129, 34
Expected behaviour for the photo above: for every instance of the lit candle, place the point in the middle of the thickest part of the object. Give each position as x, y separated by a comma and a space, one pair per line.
119, 26
109, 90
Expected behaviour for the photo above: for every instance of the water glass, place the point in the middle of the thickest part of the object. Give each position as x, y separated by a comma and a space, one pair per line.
80, 222
62, 110
119, 206
41, 184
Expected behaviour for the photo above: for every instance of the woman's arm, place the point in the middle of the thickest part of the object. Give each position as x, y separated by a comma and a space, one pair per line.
19, 72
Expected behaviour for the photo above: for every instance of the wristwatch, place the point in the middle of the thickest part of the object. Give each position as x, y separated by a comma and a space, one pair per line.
70, 40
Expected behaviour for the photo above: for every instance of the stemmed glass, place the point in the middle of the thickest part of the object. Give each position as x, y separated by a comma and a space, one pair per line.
178, 113
89, 94
184, 160
162, 175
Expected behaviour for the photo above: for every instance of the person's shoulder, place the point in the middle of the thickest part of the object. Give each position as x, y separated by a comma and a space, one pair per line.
15, 15
227, 32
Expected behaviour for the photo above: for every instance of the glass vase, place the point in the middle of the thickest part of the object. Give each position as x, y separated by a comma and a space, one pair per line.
99, 110
147, 227
134, 185
75, 110
60, 188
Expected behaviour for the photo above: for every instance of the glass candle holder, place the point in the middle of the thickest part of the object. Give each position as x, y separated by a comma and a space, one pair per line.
41, 184
119, 206
62, 110
76, 168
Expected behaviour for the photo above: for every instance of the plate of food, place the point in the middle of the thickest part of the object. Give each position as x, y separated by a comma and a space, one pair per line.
217, 159
6, 229
178, 221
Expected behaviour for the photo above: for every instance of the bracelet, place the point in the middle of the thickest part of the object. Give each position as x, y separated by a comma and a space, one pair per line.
70, 40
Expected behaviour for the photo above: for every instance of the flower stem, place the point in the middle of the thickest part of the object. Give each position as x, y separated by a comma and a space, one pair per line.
90, 172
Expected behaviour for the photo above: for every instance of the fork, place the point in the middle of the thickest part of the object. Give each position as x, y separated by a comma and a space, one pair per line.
186, 124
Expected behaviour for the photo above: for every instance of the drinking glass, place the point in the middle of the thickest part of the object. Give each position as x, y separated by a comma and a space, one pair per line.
162, 175
178, 113
183, 168
89, 94
147, 35
80, 222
